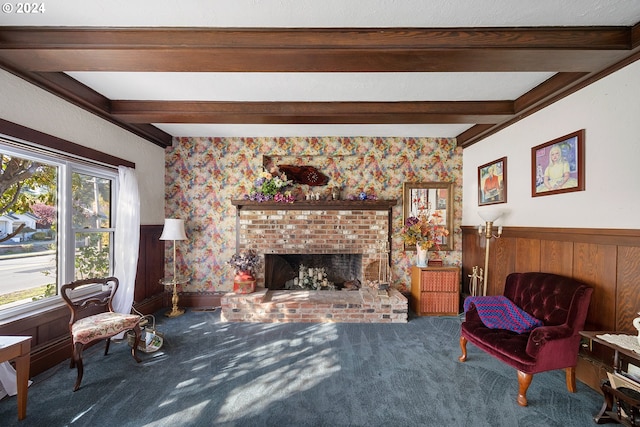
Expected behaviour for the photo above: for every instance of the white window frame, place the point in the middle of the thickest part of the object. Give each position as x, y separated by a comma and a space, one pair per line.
99, 173
65, 268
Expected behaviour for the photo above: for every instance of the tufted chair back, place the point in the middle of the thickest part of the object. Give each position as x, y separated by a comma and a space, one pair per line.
549, 297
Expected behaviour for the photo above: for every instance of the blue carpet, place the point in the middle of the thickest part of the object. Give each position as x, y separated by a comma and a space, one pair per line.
211, 373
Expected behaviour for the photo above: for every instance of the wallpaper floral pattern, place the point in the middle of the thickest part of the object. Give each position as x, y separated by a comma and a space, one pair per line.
203, 175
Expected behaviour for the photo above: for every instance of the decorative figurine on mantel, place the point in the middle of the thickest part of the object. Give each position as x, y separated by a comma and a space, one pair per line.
335, 192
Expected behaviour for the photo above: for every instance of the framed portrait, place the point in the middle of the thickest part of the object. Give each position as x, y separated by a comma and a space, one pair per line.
492, 182
558, 166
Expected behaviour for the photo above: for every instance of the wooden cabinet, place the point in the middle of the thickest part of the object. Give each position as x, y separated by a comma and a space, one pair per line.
615, 396
435, 291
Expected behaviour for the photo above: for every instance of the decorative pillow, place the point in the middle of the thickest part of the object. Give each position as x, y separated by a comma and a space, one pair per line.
499, 312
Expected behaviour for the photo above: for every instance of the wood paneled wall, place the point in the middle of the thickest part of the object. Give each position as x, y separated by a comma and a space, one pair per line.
49, 330
606, 259
150, 266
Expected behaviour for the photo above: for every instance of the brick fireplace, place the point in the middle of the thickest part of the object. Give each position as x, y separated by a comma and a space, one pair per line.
315, 227
318, 227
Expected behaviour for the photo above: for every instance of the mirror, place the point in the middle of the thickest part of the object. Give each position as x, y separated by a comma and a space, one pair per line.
438, 197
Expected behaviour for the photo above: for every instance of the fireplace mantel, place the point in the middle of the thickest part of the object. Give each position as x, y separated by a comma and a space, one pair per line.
362, 205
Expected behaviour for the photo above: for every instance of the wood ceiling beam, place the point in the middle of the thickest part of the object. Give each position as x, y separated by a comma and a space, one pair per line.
635, 36
309, 60
527, 104
567, 38
84, 97
577, 54
312, 112
552, 90
313, 50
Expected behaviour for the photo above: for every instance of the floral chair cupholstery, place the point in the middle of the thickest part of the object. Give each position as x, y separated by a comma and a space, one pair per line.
93, 319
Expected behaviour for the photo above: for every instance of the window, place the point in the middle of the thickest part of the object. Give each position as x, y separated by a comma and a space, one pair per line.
56, 225
91, 218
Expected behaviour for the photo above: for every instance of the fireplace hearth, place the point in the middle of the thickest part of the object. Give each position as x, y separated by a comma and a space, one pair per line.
365, 305
344, 237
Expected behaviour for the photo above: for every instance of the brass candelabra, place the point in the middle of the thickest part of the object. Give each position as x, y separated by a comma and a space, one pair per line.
489, 216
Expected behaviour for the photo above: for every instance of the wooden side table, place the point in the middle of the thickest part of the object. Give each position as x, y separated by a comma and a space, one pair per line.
607, 414
18, 348
435, 291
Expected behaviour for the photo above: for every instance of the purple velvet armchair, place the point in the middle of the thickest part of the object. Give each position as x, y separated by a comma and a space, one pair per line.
560, 302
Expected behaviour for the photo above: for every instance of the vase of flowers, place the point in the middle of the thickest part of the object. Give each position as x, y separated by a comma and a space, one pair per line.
422, 256
424, 231
245, 264
271, 185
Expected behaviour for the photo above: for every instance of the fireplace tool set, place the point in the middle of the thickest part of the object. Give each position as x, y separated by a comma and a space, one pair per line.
384, 272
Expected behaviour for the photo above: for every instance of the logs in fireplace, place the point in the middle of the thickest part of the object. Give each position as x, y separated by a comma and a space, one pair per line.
286, 271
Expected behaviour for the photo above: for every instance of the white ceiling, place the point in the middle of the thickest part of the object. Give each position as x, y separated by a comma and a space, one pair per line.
320, 86
311, 87
329, 13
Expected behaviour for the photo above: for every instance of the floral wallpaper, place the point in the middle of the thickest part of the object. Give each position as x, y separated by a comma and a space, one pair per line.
203, 175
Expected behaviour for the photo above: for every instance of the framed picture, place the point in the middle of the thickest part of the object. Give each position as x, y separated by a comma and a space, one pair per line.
492, 182
558, 166
428, 198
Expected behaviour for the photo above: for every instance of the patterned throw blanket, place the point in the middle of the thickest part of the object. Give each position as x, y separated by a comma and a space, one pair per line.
499, 312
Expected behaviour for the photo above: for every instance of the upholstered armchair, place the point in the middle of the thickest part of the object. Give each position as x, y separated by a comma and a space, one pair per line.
561, 303
93, 319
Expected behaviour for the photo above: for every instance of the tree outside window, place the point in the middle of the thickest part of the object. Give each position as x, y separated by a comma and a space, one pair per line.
91, 217
32, 244
28, 249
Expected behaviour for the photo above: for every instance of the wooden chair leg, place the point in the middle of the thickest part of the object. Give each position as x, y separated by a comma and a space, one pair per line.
72, 363
134, 348
524, 380
106, 346
463, 347
570, 373
77, 357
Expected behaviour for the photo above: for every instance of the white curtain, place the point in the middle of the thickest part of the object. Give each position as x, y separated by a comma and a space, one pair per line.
127, 238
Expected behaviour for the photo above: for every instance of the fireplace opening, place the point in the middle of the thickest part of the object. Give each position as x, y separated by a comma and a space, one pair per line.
283, 271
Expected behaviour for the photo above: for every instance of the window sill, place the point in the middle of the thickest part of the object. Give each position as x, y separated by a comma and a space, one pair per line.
39, 308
